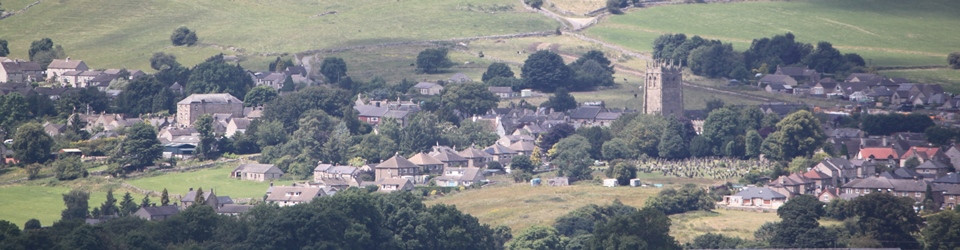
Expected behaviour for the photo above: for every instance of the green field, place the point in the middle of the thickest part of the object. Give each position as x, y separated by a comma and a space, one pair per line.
109, 34
21, 203
216, 178
886, 32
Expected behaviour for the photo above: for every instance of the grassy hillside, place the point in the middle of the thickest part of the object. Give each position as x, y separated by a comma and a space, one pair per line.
125, 33
217, 178
888, 32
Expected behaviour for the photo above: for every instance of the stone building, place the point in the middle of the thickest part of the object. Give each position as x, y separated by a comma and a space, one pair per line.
190, 108
663, 91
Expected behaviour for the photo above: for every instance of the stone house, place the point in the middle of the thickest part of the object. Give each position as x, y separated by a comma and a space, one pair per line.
257, 172
396, 167
448, 156
236, 126
428, 164
292, 195
502, 92
20, 72
59, 66
475, 157
792, 185
190, 108
501, 153
914, 188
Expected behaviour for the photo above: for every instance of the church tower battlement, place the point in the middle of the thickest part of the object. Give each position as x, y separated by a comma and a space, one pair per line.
663, 89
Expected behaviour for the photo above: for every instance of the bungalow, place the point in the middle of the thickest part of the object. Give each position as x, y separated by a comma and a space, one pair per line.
802, 75
292, 195
157, 213
257, 172
753, 196
233, 209
460, 78
502, 92
336, 176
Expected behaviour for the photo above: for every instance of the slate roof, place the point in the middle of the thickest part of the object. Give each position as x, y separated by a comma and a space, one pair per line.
424, 85
397, 162
585, 112
522, 146
460, 78
307, 194
192, 194
497, 149
760, 192
65, 64
881, 182
770, 79
950, 178
371, 110
496, 90
210, 98
473, 152
901, 173
234, 209
424, 159
932, 165
610, 116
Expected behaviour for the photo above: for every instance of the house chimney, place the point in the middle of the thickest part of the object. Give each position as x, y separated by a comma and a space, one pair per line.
67, 60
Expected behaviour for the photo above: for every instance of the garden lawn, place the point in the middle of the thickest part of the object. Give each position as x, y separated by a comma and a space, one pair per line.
885, 32
217, 178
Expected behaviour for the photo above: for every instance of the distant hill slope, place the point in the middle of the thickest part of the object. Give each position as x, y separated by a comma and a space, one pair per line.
890, 32
125, 33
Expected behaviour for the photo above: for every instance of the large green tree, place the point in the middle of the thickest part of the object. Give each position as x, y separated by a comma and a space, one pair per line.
942, 231
433, 59
259, 95
43, 52
497, 69
76, 203
538, 238
14, 110
161, 60
888, 218
4, 50
644, 229
469, 98
69, 168
799, 134
31, 144
799, 226
954, 60
334, 69
374, 148
183, 36
145, 95
420, 134
672, 145
139, 148
825, 58
215, 75
208, 148
561, 101
572, 156
545, 71
718, 60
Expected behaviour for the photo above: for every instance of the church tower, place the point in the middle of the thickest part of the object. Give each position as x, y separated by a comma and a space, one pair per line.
663, 91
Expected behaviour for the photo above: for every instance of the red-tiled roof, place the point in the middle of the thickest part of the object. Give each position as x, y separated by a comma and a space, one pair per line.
816, 175
879, 153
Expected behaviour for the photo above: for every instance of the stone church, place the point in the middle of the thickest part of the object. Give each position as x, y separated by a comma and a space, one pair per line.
663, 91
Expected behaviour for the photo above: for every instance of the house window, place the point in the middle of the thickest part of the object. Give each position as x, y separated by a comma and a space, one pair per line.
857, 191
866, 191
917, 194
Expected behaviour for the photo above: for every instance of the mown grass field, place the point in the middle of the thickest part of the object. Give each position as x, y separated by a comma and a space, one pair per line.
886, 32
216, 178
22, 203
109, 34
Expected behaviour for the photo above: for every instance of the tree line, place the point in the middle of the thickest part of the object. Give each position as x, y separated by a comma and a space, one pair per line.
351, 219
715, 59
